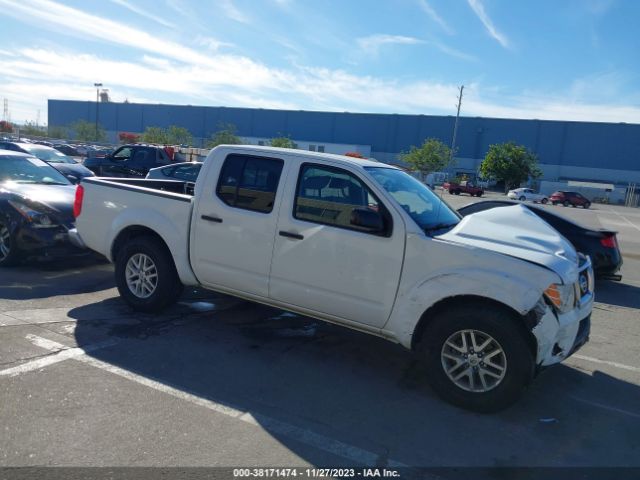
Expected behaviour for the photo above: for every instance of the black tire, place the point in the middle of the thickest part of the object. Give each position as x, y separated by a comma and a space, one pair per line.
457, 192
555, 203
479, 194
522, 198
168, 287
586, 205
504, 328
544, 201
10, 255
566, 203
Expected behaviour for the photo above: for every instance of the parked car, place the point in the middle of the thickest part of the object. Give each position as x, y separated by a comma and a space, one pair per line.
463, 187
524, 194
601, 245
129, 161
36, 208
71, 169
67, 149
358, 243
574, 199
186, 171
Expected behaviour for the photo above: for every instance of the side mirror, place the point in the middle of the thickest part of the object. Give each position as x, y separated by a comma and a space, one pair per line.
367, 219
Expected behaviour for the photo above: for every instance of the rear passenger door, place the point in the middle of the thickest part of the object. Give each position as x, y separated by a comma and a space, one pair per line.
322, 262
234, 224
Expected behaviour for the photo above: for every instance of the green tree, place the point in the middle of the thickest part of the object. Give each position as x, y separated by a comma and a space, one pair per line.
226, 135
432, 156
58, 132
86, 131
179, 136
155, 135
510, 163
283, 142
31, 129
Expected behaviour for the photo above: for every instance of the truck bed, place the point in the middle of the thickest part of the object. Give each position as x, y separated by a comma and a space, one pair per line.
113, 204
169, 186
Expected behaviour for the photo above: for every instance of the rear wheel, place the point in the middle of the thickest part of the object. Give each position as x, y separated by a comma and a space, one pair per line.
477, 358
586, 205
9, 253
456, 192
146, 276
566, 203
479, 194
522, 198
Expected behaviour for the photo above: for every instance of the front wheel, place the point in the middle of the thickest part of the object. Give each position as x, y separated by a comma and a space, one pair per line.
586, 205
146, 276
477, 358
545, 201
9, 253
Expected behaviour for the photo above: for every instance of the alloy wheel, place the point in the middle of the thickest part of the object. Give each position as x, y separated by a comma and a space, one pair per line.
5, 242
141, 275
474, 361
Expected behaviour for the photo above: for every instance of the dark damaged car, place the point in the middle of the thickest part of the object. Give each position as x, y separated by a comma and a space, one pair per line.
36, 209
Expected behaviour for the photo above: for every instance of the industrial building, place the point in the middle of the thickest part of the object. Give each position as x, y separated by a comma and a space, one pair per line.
566, 150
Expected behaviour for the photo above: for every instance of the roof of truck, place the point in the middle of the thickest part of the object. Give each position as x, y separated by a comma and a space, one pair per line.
362, 162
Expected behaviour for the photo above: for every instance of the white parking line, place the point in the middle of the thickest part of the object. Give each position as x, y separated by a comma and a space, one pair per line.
64, 353
606, 362
308, 437
626, 220
606, 407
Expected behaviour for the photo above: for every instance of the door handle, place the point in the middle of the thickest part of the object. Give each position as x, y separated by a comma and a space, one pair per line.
294, 236
211, 219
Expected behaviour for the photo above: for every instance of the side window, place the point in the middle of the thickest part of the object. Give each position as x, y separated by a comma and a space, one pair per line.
328, 195
249, 182
188, 173
122, 154
144, 157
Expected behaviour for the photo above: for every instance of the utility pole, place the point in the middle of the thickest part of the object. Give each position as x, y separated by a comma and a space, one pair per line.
97, 85
455, 125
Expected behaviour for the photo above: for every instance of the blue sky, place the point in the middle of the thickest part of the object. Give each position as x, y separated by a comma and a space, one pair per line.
546, 59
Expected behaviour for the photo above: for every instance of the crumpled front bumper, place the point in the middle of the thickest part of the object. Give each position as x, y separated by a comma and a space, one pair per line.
559, 335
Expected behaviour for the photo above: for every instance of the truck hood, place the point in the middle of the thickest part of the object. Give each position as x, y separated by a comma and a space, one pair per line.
517, 232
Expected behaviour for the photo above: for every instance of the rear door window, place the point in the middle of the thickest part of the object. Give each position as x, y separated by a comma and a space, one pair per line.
249, 182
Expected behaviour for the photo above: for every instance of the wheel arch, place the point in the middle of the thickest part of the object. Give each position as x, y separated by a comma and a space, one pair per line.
523, 322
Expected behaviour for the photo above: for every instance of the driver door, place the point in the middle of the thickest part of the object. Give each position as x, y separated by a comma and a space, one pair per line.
323, 263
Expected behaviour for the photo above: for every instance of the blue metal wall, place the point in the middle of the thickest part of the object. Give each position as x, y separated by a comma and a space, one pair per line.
584, 144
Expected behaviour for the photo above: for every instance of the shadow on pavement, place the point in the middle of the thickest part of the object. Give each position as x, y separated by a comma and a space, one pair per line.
358, 389
42, 278
620, 294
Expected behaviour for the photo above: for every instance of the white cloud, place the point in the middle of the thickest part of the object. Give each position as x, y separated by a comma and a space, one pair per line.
373, 43
478, 8
211, 43
143, 13
171, 73
233, 12
428, 9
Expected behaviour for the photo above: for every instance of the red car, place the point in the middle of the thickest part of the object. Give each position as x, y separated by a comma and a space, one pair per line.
463, 187
569, 198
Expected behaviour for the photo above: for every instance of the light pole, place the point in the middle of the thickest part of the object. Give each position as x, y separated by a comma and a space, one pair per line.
97, 85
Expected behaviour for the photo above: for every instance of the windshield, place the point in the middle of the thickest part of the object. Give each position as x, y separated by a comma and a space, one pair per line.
425, 207
19, 169
47, 154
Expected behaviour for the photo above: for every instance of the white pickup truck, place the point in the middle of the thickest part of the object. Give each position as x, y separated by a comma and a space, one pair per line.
485, 301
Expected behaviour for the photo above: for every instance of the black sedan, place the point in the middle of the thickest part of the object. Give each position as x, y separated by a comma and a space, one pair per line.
601, 245
71, 169
36, 208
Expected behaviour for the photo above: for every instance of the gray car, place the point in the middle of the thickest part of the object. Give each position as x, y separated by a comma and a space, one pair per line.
186, 172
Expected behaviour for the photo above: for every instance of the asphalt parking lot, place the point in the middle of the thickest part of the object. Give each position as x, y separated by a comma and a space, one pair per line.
220, 382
